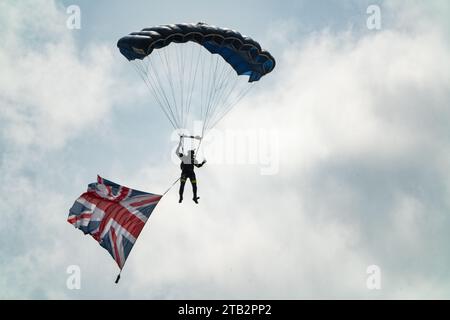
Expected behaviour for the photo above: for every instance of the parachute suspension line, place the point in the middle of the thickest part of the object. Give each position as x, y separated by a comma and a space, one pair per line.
144, 76
215, 88
188, 66
219, 95
151, 84
172, 106
187, 80
193, 82
168, 72
177, 73
211, 94
198, 148
179, 78
219, 86
232, 103
154, 74
203, 91
187, 72
204, 85
208, 93
230, 106
208, 87
232, 85
180, 68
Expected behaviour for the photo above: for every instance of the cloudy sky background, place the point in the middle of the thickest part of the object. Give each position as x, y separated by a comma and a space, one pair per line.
362, 150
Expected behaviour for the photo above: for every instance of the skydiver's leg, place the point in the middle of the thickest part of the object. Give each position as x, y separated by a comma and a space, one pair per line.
182, 183
194, 187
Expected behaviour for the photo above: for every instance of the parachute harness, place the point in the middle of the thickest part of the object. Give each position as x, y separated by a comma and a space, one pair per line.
178, 179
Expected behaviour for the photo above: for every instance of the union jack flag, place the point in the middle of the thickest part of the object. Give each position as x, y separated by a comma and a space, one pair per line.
113, 215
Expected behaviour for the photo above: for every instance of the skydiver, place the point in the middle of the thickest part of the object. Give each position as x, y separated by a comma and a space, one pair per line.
187, 169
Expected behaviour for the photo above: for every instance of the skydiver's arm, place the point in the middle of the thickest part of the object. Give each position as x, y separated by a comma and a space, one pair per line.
178, 151
199, 165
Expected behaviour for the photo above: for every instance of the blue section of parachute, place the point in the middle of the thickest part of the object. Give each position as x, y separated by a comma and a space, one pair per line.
242, 53
234, 58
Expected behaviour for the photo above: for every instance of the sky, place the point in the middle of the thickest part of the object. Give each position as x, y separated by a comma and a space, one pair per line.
337, 160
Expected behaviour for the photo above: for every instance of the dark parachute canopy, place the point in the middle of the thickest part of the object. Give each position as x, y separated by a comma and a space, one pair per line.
188, 69
243, 53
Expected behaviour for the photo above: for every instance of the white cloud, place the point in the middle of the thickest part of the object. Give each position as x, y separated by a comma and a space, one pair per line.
50, 90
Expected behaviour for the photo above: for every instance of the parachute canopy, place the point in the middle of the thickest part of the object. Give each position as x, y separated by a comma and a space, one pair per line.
188, 65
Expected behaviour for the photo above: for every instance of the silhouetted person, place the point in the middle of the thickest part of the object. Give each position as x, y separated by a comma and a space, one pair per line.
187, 171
